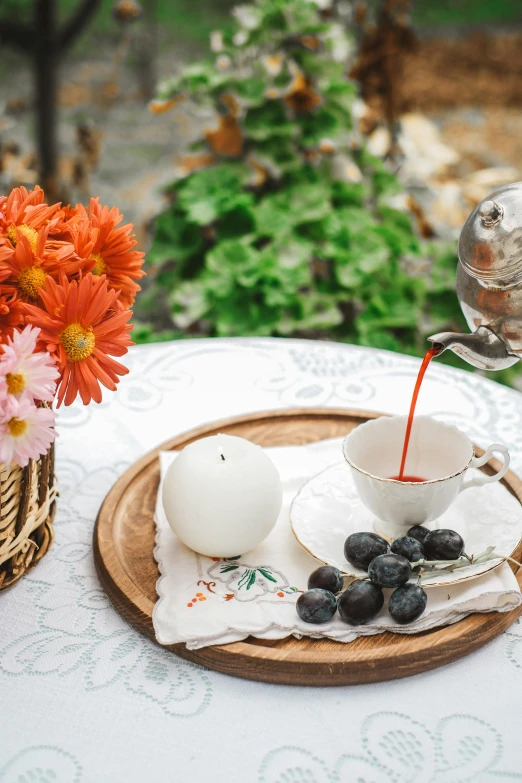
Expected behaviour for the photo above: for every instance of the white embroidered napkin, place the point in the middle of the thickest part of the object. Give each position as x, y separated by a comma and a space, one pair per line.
206, 601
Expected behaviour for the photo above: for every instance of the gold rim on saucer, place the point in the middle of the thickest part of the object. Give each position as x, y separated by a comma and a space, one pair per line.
463, 578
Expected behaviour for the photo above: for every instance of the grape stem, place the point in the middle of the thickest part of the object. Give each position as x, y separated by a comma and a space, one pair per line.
351, 577
462, 562
437, 566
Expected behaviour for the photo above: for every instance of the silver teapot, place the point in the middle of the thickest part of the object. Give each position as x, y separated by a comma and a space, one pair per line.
489, 283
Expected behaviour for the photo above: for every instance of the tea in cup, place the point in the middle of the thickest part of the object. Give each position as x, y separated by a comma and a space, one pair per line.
436, 470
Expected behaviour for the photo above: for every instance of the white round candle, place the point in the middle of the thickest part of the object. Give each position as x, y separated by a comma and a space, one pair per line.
222, 495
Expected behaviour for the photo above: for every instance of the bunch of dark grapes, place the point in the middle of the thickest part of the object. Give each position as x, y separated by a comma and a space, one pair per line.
387, 566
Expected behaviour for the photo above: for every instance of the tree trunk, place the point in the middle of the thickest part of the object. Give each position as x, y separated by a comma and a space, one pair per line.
380, 64
46, 63
147, 50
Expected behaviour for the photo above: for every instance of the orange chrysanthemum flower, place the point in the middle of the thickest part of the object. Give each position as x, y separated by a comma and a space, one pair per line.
11, 312
64, 223
4, 272
28, 264
70, 212
81, 329
113, 254
24, 212
83, 238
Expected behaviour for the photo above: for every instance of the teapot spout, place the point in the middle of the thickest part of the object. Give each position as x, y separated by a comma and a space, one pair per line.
482, 348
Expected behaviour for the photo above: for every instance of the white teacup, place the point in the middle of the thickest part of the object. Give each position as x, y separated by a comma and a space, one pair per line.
439, 453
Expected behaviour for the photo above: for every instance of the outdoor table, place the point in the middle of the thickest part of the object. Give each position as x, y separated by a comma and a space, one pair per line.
86, 699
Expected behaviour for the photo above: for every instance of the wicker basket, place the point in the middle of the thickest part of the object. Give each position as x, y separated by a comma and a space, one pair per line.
27, 506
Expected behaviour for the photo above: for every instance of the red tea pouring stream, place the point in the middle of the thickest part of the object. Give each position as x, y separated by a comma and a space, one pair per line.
430, 354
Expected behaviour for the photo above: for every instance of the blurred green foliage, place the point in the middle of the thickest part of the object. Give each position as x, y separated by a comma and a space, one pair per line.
184, 19
297, 233
292, 229
464, 13
178, 19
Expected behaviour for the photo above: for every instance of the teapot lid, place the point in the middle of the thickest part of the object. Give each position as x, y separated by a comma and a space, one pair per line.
490, 244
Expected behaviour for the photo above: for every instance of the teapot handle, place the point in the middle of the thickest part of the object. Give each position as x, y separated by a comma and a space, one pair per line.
477, 462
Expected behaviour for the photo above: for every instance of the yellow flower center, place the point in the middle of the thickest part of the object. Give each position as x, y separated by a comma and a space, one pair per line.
78, 342
15, 382
30, 280
17, 427
101, 266
30, 233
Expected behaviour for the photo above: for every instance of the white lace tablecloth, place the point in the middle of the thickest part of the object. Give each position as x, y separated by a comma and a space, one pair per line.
85, 699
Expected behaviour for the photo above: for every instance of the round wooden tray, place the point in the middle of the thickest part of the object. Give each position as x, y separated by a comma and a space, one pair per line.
123, 546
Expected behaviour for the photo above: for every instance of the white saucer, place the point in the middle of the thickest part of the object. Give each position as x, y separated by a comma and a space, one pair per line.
327, 510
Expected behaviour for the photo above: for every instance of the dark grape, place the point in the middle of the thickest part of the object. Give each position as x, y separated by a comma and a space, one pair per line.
361, 548
408, 547
389, 570
443, 544
327, 578
316, 606
360, 603
419, 533
407, 603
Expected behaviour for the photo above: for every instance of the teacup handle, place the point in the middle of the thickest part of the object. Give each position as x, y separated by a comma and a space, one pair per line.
477, 462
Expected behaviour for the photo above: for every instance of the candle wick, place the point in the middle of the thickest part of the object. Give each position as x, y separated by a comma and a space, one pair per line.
222, 456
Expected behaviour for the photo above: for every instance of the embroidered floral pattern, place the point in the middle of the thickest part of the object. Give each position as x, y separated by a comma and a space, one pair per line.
104, 657
198, 597
248, 583
59, 634
394, 748
42, 764
78, 633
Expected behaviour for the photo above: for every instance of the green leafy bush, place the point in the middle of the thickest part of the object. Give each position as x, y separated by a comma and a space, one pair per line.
289, 226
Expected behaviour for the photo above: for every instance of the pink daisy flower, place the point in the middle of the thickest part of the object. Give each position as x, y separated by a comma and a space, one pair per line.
26, 373
26, 432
